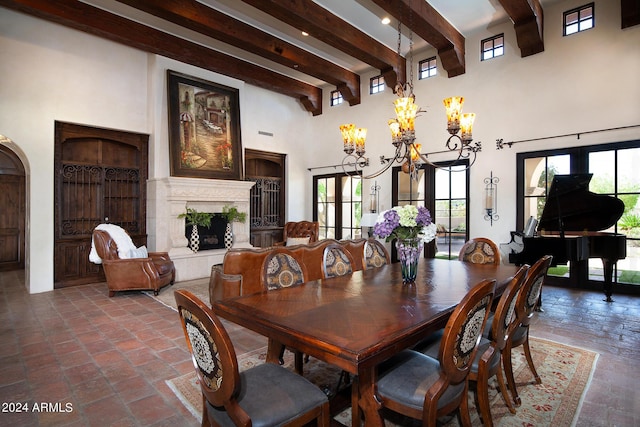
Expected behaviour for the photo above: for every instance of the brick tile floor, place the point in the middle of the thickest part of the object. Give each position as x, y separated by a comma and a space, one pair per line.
109, 358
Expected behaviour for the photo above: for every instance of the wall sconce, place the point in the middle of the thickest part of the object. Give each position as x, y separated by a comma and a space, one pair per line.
369, 219
491, 198
374, 201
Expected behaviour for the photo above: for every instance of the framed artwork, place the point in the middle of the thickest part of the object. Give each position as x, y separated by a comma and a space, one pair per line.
204, 128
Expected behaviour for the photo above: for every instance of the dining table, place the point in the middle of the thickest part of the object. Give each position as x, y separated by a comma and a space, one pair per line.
358, 321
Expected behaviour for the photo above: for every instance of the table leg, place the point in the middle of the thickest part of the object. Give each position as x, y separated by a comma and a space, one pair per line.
273, 351
369, 404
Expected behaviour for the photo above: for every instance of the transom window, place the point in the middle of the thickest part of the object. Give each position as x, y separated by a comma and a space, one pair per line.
336, 98
376, 84
578, 19
427, 68
492, 47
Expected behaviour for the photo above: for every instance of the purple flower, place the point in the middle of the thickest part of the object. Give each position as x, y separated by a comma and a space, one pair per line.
424, 216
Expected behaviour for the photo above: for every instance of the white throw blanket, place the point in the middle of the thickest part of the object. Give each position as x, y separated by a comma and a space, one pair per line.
122, 239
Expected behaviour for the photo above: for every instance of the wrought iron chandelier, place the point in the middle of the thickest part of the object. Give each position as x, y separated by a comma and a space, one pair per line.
403, 137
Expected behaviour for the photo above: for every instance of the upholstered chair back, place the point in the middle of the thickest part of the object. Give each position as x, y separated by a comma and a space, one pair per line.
480, 250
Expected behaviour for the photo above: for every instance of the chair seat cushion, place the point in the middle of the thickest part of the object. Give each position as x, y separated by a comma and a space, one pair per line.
410, 376
272, 396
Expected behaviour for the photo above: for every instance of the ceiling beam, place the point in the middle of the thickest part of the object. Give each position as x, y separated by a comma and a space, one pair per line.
528, 20
630, 13
92, 20
321, 24
213, 23
421, 18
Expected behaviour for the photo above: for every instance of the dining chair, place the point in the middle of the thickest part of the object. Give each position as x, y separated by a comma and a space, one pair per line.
480, 250
264, 395
425, 388
280, 269
525, 305
299, 233
488, 359
374, 254
336, 261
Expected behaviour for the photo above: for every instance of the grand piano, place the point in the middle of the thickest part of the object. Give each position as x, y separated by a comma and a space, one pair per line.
570, 229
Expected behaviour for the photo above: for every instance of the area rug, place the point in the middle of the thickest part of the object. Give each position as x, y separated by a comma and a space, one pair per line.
565, 371
199, 287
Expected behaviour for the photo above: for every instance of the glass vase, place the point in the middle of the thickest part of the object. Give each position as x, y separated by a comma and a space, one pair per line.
409, 253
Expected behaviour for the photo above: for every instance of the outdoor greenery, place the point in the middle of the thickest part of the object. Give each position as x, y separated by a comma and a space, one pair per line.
193, 217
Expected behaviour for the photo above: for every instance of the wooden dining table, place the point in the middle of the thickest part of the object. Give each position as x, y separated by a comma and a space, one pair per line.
360, 320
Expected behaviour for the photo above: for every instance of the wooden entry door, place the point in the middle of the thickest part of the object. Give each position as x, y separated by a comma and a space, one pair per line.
100, 177
12, 200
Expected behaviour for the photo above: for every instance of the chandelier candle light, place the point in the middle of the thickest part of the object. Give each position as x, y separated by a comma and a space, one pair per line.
412, 227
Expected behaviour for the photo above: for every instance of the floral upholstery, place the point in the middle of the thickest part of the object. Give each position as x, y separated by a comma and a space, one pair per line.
336, 261
205, 352
375, 255
264, 395
425, 388
470, 330
281, 271
480, 251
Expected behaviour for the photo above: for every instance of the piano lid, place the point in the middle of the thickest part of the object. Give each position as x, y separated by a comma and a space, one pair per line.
571, 206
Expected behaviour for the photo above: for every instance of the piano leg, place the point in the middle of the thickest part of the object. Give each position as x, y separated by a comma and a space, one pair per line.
608, 278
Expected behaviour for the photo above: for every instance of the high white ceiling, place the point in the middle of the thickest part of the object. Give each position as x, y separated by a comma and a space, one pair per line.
467, 16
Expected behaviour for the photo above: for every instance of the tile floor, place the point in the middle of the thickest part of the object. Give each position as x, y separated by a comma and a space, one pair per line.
100, 361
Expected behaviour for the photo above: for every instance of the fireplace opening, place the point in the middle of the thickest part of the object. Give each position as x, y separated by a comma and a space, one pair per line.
211, 237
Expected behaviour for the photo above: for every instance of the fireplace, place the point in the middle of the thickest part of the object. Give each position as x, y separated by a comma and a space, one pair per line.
211, 237
169, 197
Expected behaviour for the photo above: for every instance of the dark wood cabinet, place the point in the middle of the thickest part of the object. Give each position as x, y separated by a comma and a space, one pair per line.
100, 177
267, 199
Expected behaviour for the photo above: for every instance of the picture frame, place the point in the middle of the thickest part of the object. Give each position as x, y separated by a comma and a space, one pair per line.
204, 128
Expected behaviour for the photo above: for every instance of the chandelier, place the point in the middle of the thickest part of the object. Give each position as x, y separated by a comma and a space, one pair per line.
403, 137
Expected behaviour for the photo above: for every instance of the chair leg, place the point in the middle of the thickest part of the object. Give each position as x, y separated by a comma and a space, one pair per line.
527, 354
482, 391
298, 362
508, 372
465, 417
281, 356
205, 413
503, 390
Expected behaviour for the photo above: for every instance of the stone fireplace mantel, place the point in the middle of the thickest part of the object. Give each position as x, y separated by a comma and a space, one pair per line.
169, 197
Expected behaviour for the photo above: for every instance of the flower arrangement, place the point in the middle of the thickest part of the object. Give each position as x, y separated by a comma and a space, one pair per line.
405, 222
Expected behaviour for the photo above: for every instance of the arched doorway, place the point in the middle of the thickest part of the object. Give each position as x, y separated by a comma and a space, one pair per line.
12, 216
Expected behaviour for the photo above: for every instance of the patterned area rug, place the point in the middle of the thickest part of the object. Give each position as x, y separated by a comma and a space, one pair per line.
565, 371
199, 287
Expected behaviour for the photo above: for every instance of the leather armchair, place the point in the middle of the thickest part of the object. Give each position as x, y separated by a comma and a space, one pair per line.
300, 229
152, 273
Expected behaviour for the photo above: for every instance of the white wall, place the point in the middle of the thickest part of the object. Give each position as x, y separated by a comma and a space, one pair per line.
52, 73
583, 82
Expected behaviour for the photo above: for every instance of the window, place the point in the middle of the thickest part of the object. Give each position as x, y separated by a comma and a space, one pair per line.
492, 47
578, 19
376, 85
427, 68
338, 205
612, 166
443, 191
336, 98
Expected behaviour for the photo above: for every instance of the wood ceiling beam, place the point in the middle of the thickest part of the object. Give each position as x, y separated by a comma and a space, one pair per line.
429, 25
215, 24
92, 20
528, 20
630, 13
321, 24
